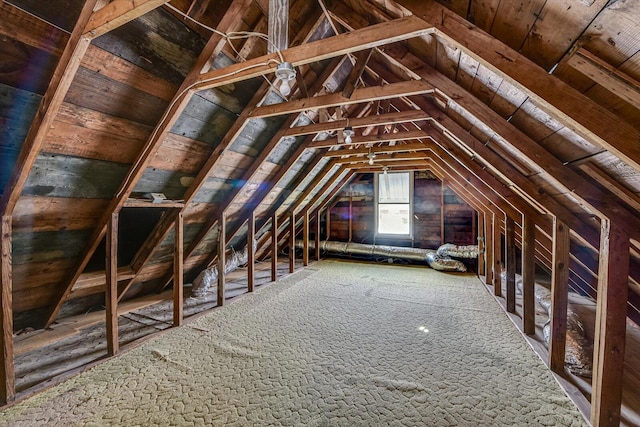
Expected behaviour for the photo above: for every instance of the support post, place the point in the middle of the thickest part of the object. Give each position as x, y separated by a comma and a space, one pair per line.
222, 244
274, 247
559, 295
292, 243
497, 257
317, 237
305, 238
442, 186
528, 275
111, 294
510, 258
251, 255
488, 248
328, 224
178, 270
481, 249
350, 214
610, 331
7, 373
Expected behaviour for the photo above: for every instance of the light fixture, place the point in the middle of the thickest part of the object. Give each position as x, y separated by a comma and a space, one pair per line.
371, 156
385, 169
285, 73
348, 133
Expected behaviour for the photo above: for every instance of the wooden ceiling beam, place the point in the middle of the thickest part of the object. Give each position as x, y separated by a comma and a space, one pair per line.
348, 150
373, 139
367, 94
392, 157
359, 122
595, 123
366, 38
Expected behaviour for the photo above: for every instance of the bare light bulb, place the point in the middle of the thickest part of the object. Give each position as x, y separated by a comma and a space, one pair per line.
371, 160
347, 139
285, 89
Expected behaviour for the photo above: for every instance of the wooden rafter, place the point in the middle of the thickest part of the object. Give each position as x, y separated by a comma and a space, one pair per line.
176, 106
375, 35
367, 94
358, 122
595, 124
60, 82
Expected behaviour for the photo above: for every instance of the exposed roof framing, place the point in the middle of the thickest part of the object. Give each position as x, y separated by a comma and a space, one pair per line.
527, 119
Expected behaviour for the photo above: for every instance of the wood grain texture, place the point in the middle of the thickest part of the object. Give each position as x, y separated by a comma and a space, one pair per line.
7, 373
610, 333
178, 273
559, 296
528, 275
111, 294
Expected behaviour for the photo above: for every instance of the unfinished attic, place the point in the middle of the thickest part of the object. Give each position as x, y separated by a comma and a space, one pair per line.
159, 158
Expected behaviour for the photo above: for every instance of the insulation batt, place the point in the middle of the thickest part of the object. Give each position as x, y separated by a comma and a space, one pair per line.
579, 350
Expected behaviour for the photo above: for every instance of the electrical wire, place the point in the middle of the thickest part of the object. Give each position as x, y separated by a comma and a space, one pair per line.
236, 35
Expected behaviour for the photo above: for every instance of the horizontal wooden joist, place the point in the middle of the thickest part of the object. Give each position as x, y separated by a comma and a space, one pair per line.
349, 150
358, 122
393, 157
373, 139
371, 93
366, 38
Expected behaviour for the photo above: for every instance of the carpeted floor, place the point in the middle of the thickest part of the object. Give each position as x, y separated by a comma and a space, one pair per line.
339, 344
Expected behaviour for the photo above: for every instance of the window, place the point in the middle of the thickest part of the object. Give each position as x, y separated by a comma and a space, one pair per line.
394, 193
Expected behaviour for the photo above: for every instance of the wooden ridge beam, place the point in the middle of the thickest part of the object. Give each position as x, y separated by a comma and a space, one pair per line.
366, 94
595, 123
366, 38
359, 122
169, 118
118, 13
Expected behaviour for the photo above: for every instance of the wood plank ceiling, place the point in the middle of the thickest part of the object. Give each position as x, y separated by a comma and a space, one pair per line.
527, 108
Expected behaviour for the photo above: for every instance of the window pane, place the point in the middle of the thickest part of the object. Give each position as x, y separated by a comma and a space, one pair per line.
394, 218
393, 188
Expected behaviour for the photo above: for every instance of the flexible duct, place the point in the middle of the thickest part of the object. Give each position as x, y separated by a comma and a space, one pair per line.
207, 280
435, 261
579, 350
451, 250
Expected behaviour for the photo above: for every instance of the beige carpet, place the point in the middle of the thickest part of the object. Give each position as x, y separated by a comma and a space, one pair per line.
339, 344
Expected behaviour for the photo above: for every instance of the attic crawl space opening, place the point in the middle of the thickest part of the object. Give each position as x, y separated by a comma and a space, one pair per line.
518, 124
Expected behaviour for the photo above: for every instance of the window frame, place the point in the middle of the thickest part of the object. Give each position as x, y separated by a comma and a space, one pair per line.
377, 203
